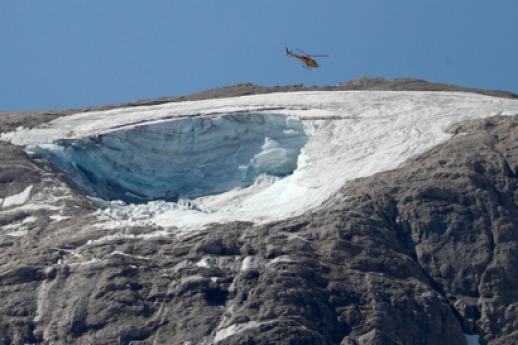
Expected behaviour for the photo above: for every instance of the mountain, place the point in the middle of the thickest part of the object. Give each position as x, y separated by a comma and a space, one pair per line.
252, 215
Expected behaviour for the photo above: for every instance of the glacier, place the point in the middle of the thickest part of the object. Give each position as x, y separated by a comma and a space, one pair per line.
253, 158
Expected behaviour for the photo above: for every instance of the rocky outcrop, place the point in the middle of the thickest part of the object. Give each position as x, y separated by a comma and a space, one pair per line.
455, 209
417, 255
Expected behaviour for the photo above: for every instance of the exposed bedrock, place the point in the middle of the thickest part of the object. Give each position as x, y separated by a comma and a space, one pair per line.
183, 158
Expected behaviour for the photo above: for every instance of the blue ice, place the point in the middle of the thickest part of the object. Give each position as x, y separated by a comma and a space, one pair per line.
182, 158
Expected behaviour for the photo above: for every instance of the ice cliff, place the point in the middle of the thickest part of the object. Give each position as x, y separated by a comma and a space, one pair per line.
187, 158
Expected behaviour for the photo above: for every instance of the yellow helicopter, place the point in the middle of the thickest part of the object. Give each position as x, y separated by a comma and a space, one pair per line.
306, 58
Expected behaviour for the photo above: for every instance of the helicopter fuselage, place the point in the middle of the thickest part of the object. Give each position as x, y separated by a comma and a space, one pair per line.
306, 59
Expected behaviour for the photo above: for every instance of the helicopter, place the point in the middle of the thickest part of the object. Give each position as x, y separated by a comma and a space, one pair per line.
306, 58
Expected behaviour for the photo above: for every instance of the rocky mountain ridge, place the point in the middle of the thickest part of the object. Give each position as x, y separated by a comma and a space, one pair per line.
416, 255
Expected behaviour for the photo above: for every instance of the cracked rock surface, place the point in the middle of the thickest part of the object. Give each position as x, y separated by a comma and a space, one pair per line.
416, 255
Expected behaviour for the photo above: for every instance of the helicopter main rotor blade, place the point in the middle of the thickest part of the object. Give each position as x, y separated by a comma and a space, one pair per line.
310, 55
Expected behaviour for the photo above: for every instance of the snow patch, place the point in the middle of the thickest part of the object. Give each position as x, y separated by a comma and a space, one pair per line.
19, 233
58, 217
30, 207
117, 252
19, 227
253, 262
280, 259
189, 279
223, 263
234, 329
30, 219
18, 199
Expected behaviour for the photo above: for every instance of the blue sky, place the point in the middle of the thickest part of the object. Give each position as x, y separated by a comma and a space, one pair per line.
68, 54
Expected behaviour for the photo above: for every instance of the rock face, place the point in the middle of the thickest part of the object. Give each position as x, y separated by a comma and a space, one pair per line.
416, 255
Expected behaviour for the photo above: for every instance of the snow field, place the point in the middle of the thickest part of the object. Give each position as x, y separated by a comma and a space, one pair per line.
333, 137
